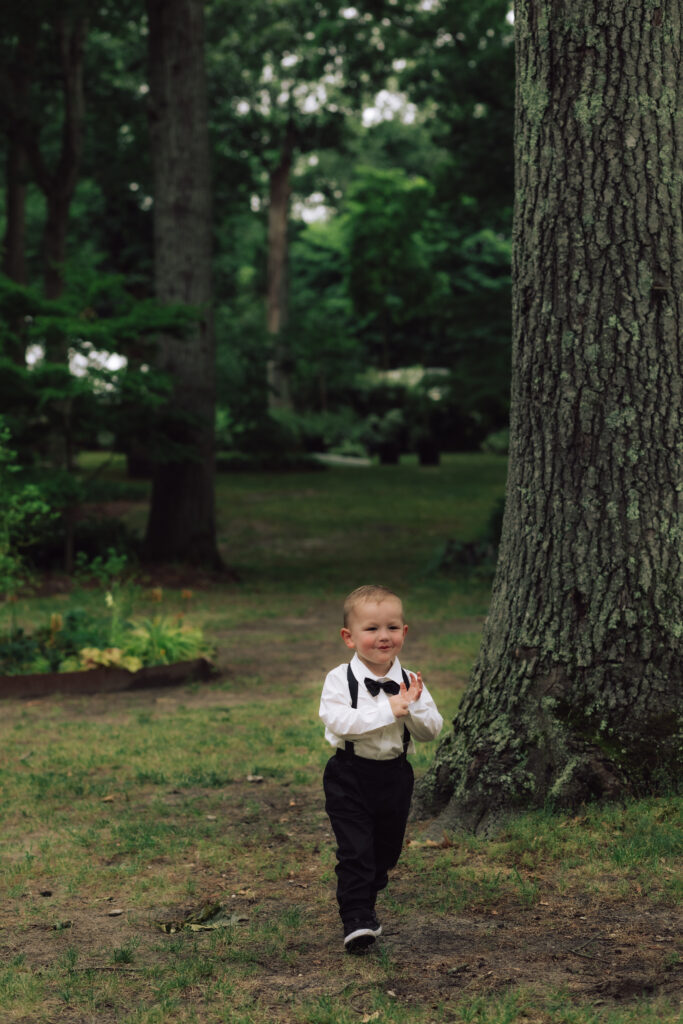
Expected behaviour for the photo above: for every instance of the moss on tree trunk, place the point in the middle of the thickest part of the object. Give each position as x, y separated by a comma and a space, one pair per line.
576, 691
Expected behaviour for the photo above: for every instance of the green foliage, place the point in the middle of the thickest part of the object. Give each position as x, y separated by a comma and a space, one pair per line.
456, 556
322, 339
106, 571
161, 641
47, 647
46, 400
390, 283
497, 443
461, 70
411, 266
81, 640
22, 509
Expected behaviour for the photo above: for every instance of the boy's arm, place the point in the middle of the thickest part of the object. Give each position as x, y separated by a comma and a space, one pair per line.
424, 721
343, 720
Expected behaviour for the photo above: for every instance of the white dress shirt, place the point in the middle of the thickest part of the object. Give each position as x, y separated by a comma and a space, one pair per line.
372, 727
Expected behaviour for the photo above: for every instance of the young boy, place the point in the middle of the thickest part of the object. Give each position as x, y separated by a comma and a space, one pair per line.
372, 710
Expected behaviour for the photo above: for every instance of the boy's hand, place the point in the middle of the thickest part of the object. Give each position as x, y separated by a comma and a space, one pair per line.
416, 686
401, 701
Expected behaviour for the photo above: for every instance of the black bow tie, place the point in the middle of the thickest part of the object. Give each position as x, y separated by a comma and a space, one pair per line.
374, 686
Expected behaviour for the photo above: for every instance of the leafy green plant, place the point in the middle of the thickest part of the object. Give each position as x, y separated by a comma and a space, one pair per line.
160, 641
106, 570
80, 640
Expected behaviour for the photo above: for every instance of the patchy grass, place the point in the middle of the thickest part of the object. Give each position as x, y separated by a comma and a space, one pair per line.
139, 803
127, 819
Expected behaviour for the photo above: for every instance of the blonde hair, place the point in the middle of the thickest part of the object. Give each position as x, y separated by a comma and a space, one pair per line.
368, 592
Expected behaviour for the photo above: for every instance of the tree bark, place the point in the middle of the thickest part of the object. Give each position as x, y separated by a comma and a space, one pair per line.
59, 186
14, 259
278, 255
18, 86
576, 691
181, 524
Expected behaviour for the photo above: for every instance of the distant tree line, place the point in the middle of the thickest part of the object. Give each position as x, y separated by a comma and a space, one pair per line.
212, 192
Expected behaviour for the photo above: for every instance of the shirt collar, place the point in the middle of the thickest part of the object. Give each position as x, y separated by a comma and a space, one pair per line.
360, 670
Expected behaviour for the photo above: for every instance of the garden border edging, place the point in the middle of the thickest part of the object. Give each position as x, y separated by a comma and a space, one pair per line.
106, 680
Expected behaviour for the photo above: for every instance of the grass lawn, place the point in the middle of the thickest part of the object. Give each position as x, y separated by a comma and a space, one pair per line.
148, 876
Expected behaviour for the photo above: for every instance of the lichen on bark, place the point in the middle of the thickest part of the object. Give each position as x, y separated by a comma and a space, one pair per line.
576, 691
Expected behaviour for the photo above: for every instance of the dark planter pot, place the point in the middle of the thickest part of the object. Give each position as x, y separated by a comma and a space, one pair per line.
106, 680
428, 453
389, 453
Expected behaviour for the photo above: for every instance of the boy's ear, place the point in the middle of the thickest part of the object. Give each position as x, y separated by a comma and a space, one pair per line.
346, 637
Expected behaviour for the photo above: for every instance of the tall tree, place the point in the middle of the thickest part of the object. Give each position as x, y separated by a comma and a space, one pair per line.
577, 686
57, 35
390, 281
303, 68
181, 522
18, 87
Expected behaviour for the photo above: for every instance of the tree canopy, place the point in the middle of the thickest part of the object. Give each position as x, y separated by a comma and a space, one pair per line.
359, 214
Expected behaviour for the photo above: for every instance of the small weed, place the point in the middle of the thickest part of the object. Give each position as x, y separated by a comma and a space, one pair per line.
327, 1010
528, 890
124, 954
68, 959
291, 918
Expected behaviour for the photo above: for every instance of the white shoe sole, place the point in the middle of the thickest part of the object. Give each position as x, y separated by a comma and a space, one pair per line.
361, 938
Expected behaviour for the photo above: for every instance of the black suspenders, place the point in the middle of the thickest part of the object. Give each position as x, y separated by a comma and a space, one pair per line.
353, 691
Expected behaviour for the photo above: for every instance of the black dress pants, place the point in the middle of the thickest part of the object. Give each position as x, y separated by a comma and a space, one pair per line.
367, 803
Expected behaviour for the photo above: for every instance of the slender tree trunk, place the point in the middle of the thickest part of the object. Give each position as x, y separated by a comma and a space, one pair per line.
59, 187
576, 691
18, 86
57, 183
16, 179
54, 246
181, 524
278, 254
14, 261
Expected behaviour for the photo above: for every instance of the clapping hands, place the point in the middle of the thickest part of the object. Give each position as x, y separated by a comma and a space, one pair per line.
401, 701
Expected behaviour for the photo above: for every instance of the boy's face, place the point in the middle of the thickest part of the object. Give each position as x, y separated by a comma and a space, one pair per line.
376, 632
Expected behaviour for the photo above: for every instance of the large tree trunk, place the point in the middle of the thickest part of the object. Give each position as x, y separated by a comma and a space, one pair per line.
278, 255
576, 690
181, 524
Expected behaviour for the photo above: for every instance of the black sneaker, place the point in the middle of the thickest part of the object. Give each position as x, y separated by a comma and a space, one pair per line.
360, 934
